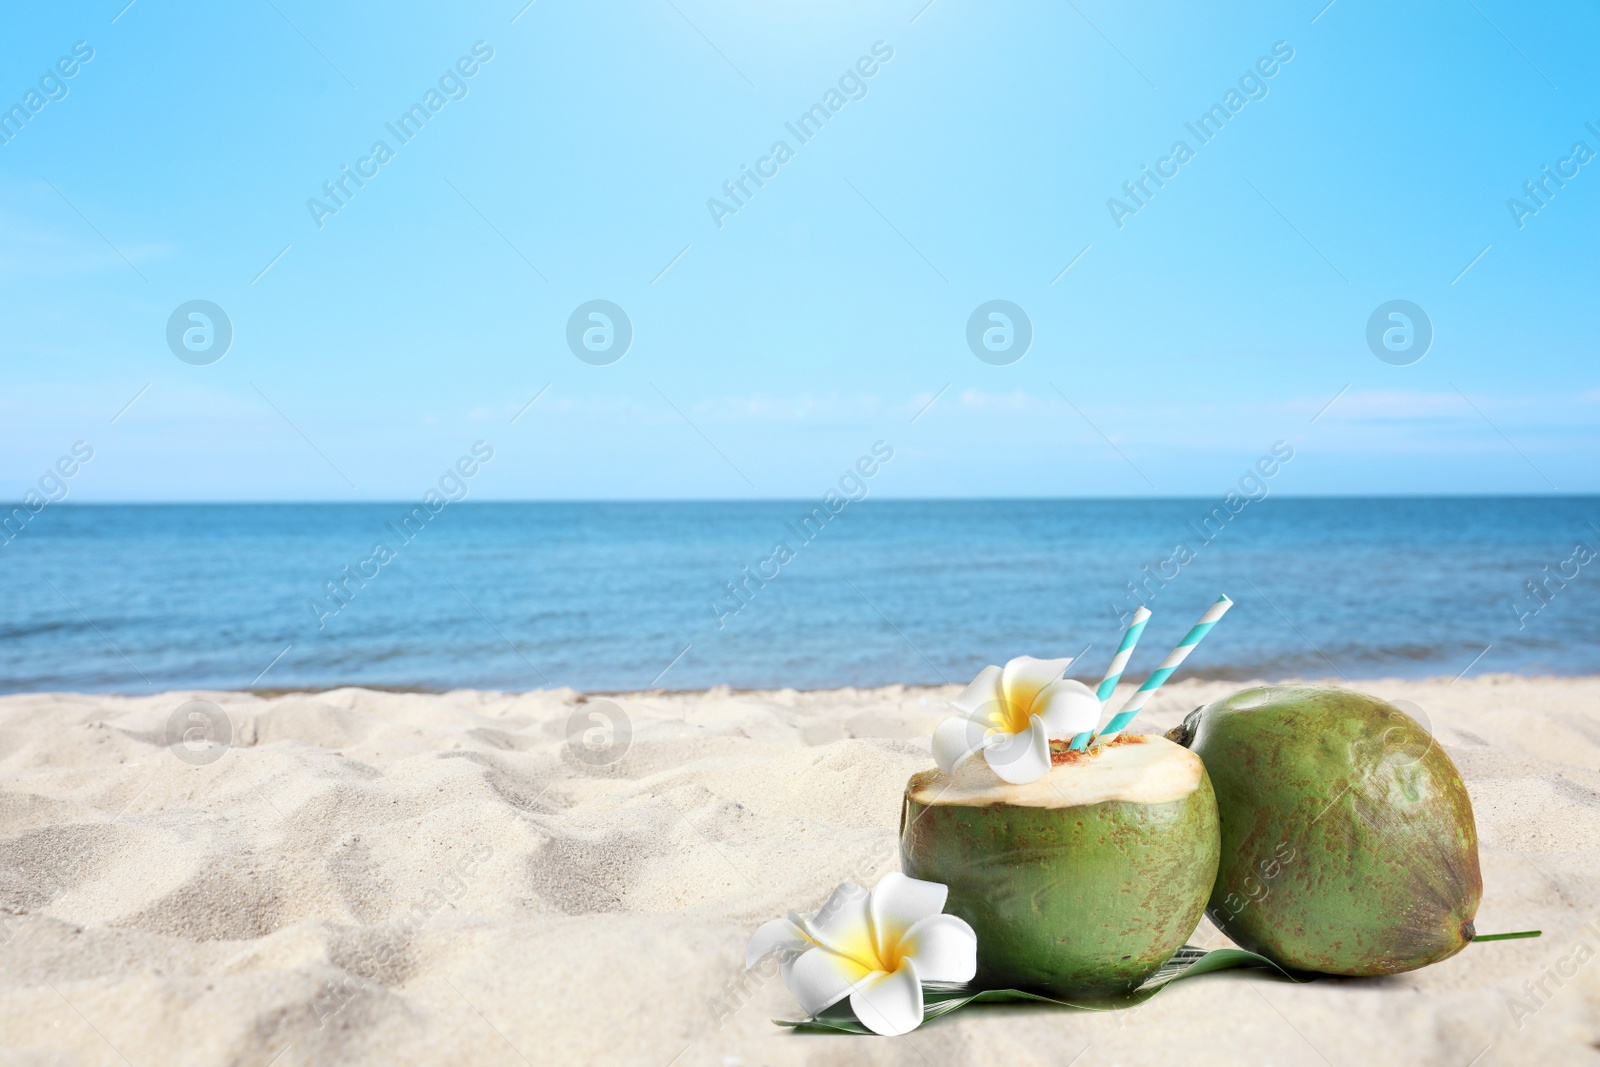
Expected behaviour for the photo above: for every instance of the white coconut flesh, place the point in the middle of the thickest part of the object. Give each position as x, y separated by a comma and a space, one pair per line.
1147, 769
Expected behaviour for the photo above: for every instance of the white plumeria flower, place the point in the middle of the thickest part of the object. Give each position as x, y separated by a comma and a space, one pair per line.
1010, 714
875, 948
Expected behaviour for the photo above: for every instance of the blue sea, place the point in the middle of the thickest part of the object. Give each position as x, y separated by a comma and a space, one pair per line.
625, 596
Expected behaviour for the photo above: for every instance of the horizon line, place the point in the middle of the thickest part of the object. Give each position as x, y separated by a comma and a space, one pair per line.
348, 502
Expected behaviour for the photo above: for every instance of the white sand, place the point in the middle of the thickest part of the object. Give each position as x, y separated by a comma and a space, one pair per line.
159, 914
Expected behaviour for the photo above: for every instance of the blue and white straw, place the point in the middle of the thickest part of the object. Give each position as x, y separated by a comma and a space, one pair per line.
1119, 663
1120, 721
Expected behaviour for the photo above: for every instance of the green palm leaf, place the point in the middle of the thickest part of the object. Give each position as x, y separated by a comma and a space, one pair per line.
939, 999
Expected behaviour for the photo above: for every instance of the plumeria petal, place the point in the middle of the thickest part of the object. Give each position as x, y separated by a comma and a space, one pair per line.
821, 978
944, 947
898, 904
984, 690
1020, 758
1068, 707
775, 935
1025, 676
955, 739
844, 924
890, 1003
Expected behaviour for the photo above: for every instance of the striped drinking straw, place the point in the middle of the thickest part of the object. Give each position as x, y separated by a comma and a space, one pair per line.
1119, 662
1120, 721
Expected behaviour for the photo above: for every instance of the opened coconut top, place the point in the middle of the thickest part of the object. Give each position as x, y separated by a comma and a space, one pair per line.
1142, 769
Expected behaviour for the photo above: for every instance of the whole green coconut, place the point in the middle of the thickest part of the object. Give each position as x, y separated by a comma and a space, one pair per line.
1082, 883
1348, 845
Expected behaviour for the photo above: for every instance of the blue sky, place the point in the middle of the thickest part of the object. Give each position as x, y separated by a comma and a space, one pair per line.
974, 164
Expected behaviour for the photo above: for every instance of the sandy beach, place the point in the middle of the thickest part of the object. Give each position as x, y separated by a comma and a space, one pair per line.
395, 878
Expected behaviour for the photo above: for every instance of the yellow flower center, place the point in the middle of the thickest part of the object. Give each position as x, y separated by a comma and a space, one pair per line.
1007, 716
863, 948
859, 946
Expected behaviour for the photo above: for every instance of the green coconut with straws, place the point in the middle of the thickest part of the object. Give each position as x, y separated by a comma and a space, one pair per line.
1081, 869
1348, 843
